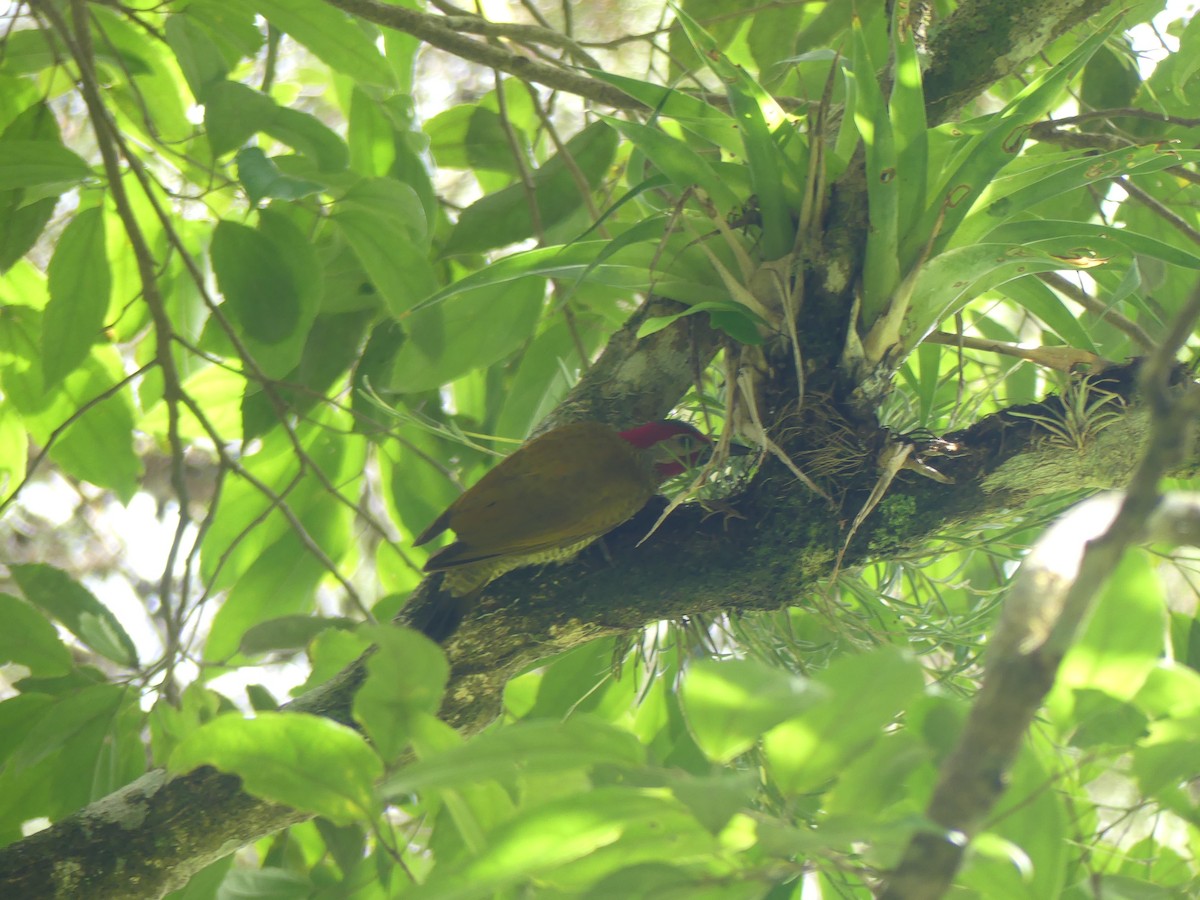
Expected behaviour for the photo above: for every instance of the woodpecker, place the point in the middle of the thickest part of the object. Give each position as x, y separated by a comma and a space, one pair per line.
551, 498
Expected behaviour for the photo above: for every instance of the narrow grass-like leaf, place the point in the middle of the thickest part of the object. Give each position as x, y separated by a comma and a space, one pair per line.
679, 162
881, 265
700, 118
989, 152
952, 278
906, 111
1010, 195
1035, 297
751, 104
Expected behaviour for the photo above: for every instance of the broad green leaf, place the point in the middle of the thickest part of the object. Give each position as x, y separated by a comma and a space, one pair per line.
232, 113
14, 450
541, 380
332, 36
215, 390
505, 217
306, 762
471, 137
288, 633
258, 285
21, 217
281, 580
638, 825
406, 677
72, 715
28, 639
309, 135
534, 746
144, 83
1171, 689
399, 268
465, 332
731, 704
262, 178
1123, 639
865, 694
96, 444
80, 284
46, 165
77, 608
199, 58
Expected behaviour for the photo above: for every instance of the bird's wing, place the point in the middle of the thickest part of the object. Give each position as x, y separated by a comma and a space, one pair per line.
544, 499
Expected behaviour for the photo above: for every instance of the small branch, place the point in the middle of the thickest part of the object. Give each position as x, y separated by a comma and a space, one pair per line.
1160, 209
435, 31
1072, 291
1064, 359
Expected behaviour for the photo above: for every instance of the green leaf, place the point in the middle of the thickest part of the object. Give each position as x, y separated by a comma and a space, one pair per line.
1039, 179
199, 58
535, 746
906, 112
232, 113
881, 264
399, 268
71, 716
262, 178
679, 162
310, 136
751, 108
703, 120
1100, 241
1122, 642
1034, 296
952, 278
989, 152
23, 218
307, 762
287, 633
406, 677
28, 639
730, 704
80, 284
636, 825
258, 285
738, 321
46, 165
866, 693
465, 332
77, 608
333, 37
471, 137
504, 217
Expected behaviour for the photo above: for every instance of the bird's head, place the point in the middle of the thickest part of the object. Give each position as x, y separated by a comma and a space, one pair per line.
673, 446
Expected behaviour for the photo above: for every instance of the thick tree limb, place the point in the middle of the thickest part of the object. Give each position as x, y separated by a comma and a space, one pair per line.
153, 834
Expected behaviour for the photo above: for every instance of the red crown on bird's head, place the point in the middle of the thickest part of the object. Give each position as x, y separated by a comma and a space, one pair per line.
682, 444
